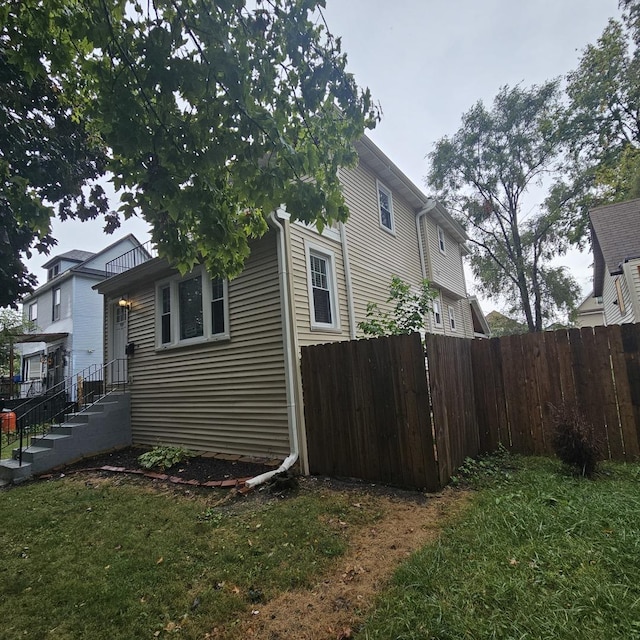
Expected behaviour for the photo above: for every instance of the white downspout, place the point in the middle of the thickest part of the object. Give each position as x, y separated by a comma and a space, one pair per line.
431, 204
289, 350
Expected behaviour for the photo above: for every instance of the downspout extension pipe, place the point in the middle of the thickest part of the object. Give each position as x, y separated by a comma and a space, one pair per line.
289, 351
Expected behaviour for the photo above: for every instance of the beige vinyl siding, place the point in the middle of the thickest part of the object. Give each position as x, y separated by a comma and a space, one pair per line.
467, 319
375, 255
226, 396
444, 270
306, 335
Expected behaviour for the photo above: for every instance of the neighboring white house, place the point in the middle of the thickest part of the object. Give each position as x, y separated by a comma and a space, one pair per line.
616, 260
590, 312
214, 364
67, 315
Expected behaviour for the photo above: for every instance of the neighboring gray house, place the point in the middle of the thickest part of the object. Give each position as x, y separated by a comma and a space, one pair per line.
68, 318
616, 260
214, 364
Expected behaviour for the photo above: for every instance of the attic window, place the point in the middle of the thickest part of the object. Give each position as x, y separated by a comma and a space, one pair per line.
385, 203
53, 271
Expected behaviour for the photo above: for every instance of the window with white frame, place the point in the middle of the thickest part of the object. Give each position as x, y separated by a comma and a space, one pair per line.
437, 313
33, 312
33, 368
452, 318
191, 309
56, 303
385, 202
322, 288
441, 241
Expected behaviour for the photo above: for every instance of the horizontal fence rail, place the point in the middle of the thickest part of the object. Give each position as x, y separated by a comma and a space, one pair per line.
132, 258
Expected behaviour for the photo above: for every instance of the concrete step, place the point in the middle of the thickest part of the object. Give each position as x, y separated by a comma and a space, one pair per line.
12, 471
49, 440
82, 416
30, 453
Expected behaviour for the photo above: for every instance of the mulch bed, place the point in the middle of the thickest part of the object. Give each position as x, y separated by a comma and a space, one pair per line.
196, 471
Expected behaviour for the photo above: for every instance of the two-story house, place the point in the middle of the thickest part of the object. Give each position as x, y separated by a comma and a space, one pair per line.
214, 364
67, 317
616, 260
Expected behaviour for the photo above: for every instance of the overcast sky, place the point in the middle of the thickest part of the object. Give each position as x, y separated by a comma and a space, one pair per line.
427, 62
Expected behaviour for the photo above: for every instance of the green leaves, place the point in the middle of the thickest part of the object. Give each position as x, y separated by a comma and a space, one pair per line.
199, 111
408, 308
486, 172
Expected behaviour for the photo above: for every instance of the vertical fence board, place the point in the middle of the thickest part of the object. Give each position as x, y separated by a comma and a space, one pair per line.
603, 372
630, 344
623, 394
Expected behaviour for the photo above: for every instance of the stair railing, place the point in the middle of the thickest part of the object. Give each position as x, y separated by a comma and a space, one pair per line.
74, 393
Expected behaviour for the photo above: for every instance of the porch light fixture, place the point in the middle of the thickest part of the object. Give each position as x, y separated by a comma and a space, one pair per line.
123, 302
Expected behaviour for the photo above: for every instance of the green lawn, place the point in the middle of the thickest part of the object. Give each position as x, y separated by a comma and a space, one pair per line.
116, 559
539, 555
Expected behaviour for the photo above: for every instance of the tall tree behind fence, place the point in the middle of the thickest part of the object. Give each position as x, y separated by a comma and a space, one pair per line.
367, 411
518, 380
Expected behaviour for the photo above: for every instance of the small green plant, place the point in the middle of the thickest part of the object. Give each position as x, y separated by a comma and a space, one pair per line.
574, 439
485, 470
407, 313
164, 457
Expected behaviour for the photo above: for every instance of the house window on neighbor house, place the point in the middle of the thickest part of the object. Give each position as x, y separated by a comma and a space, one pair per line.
620, 297
437, 313
452, 318
441, 241
322, 287
53, 271
55, 308
191, 309
33, 312
385, 203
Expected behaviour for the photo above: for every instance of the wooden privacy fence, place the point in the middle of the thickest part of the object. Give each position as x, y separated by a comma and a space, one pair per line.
367, 411
371, 413
518, 380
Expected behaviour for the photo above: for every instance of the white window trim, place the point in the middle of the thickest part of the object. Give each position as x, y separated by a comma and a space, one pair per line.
56, 305
310, 249
332, 233
437, 304
381, 187
173, 283
33, 312
442, 242
452, 318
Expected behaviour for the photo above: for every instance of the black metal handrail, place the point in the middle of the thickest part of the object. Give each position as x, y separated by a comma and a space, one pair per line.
73, 394
132, 258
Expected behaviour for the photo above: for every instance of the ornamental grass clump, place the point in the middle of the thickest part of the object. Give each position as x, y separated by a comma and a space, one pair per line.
574, 440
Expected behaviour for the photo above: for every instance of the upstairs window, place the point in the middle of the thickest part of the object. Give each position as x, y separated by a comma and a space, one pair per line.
191, 309
437, 313
55, 308
452, 318
441, 241
33, 312
322, 287
385, 203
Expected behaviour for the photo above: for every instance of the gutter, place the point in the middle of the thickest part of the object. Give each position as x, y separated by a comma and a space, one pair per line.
290, 351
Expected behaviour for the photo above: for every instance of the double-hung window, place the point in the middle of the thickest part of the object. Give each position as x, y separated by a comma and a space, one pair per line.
33, 312
437, 313
322, 287
452, 318
191, 309
55, 304
385, 204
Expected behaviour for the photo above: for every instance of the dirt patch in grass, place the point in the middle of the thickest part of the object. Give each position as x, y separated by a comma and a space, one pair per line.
335, 607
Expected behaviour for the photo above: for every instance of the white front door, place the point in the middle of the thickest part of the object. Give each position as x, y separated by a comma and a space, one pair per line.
117, 371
